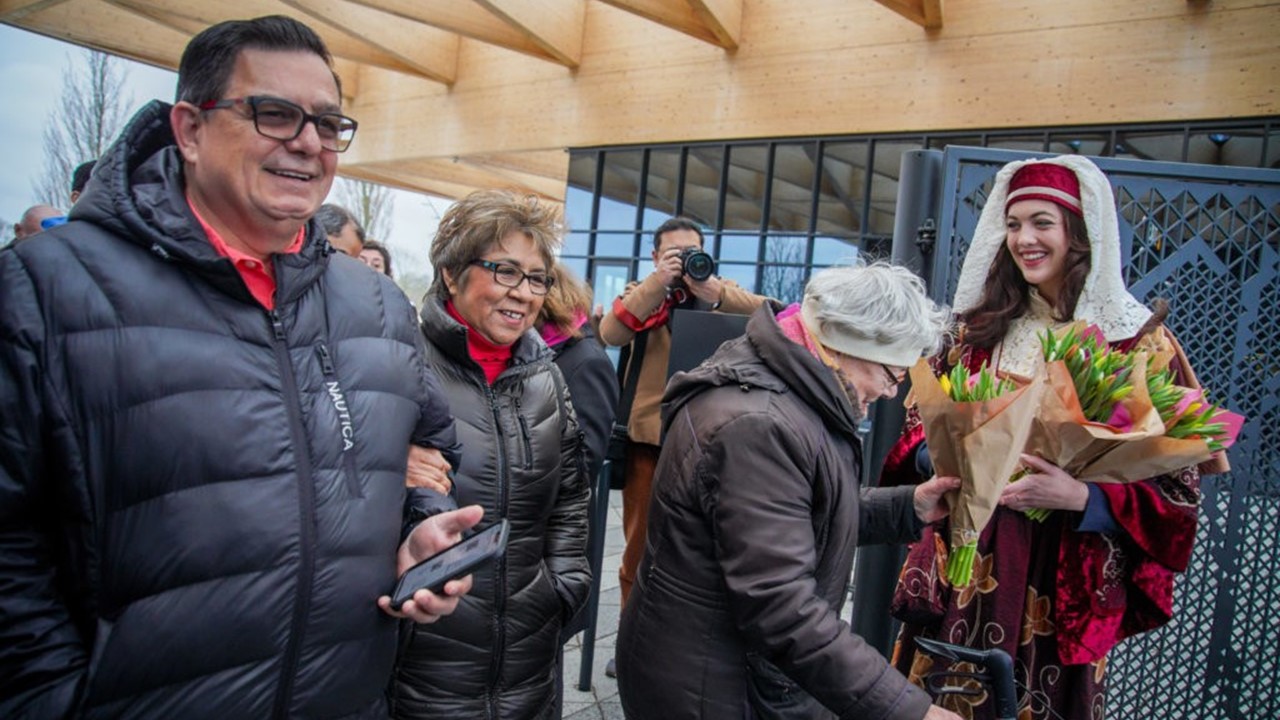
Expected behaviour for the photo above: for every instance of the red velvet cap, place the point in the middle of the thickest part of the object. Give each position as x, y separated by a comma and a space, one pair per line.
1045, 181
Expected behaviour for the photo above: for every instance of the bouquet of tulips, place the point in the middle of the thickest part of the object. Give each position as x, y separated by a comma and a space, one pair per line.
976, 425
1113, 416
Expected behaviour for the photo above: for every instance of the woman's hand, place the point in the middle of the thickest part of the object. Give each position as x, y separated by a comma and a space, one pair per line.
430, 537
428, 469
937, 713
1046, 486
928, 497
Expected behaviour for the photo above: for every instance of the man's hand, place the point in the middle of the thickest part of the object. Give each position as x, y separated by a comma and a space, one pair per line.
670, 267
430, 537
708, 291
928, 497
1046, 486
428, 469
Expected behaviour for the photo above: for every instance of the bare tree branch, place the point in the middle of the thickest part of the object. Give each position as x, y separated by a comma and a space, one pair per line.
85, 122
371, 203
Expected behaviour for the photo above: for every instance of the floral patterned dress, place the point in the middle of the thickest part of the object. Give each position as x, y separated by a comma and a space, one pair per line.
1054, 598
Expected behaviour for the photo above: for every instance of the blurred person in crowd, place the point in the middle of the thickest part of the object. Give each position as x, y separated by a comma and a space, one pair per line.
593, 383
758, 508
638, 319
344, 231
523, 461
377, 256
206, 418
80, 178
34, 219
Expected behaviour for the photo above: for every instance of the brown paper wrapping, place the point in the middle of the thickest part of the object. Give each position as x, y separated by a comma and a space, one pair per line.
978, 442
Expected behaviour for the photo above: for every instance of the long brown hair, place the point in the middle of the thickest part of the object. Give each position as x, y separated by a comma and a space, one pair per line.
1005, 295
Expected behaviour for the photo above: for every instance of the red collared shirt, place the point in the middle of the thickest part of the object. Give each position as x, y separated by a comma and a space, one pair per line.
258, 276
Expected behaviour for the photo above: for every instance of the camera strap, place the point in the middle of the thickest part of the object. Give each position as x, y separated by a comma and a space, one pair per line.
629, 375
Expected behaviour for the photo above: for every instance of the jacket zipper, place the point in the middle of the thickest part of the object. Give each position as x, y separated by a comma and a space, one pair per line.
345, 424
306, 507
500, 572
524, 434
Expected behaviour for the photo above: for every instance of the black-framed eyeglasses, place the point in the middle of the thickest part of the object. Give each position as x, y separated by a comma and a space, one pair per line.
280, 119
508, 275
894, 380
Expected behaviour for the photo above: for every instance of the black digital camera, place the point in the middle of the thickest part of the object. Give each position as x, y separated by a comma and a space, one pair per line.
697, 263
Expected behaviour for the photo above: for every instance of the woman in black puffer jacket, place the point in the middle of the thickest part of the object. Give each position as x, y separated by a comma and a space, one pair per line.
521, 460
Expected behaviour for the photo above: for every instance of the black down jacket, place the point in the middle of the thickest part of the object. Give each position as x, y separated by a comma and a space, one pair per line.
495, 657
200, 500
756, 511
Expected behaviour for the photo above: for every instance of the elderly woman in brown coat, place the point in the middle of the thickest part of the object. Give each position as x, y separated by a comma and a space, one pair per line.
757, 510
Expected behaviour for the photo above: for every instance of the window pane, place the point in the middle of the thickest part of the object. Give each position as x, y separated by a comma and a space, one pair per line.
744, 275
1165, 146
791, 199
841, 188
662, 186
739, 247
615, 244
576, 243
1094, 144
834, 251
783, 282
937, 142
702, 183
577, 264
785, 249
884, 187
1272, 160
621, 190
745, 195
1028, 143
578, 196
1236, 147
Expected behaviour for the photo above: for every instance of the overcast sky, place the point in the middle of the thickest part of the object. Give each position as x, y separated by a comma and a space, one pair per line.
31, 68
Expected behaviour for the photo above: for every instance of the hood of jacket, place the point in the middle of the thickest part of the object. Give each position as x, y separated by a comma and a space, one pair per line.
138, 192
766, 358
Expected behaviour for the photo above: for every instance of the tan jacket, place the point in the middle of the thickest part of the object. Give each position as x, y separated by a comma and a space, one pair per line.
642, 299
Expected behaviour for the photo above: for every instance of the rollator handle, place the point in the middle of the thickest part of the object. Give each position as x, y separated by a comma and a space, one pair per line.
997, 667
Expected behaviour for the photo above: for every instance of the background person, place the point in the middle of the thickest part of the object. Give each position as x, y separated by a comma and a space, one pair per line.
1055, 595
497, 657
644, 310
202, 467
32, 221
757, 511
343, 230
377, 256
80, 178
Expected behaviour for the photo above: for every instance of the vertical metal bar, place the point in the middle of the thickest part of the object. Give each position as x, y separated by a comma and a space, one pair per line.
919, 197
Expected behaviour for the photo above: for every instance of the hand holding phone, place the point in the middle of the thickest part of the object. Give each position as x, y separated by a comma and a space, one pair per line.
452, 563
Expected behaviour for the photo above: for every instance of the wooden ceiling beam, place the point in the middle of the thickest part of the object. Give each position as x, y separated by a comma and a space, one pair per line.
555, 26
466, 19
110, 29
340, 41
466, 172
431, 51
15, 10
717, 22
925, 13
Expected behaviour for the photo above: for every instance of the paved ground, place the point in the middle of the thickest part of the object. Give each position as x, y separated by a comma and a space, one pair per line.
601, 701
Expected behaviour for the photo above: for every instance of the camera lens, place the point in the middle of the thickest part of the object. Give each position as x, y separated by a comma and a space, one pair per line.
698, 265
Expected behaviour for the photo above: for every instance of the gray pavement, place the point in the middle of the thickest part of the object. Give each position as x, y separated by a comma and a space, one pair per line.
601, 701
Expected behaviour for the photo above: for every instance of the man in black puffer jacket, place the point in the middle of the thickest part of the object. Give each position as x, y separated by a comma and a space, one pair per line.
204, 418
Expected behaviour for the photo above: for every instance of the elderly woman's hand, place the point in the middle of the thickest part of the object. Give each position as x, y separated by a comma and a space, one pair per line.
1046, 486
428, 469
928, 498
430, 537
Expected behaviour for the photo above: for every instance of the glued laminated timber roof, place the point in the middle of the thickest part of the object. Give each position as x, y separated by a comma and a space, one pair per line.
453, 95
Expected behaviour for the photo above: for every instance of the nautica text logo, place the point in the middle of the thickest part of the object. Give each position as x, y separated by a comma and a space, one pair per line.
344, 415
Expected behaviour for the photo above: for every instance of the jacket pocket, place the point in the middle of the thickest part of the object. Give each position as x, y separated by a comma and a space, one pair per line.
346, 425
774, 696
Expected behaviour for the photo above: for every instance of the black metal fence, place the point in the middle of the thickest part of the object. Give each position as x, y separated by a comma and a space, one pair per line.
1207, 239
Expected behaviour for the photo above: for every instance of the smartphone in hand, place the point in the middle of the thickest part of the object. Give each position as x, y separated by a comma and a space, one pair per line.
452, 563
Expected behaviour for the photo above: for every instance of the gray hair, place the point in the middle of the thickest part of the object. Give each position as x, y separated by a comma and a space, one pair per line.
880, 304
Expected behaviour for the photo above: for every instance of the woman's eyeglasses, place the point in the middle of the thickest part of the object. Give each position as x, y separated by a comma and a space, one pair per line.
508, 275
280, 119
894, 380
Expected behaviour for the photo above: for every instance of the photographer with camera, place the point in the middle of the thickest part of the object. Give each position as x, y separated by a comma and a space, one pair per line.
683, 277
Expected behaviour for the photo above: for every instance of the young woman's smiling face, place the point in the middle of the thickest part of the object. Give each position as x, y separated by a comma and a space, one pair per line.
1036, 234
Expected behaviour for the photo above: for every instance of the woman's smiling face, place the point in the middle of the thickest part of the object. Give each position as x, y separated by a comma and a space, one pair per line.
1036, 234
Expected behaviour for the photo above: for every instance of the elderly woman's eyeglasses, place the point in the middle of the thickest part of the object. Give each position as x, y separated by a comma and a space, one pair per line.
508, 275
894, 380
280, 119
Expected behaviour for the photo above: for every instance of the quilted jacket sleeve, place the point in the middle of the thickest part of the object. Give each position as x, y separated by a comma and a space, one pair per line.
566, 548
42, 655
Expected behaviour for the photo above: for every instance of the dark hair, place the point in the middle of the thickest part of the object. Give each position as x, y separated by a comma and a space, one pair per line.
1005, 296
332, 218
677, 223
209, 59
382, 250
80, 176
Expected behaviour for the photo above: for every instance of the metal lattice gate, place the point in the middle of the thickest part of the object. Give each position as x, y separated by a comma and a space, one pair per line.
1207, 239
